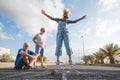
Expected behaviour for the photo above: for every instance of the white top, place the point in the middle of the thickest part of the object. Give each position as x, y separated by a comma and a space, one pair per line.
40, 39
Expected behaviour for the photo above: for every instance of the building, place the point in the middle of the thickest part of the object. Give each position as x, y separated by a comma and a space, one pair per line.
4, 51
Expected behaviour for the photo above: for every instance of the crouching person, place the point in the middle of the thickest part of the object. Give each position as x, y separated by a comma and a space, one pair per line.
25, 58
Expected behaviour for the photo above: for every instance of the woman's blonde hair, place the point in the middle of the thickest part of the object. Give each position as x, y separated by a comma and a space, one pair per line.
66, 12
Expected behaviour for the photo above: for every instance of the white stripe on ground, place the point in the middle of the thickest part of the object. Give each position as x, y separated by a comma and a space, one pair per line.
64, 76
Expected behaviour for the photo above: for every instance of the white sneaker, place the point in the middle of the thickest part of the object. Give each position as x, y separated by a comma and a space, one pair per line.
70, 62
58, 62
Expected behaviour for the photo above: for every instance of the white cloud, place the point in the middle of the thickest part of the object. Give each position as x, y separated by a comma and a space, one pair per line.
27, 13
108, 4
102, 28
3, 35
73, 4
19, 35
97, 32
107, 28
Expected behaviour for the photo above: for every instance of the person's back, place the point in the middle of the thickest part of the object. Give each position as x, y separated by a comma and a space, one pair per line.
18, 56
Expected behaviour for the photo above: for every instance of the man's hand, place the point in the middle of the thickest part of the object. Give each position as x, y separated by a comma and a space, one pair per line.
36, 44
32, 56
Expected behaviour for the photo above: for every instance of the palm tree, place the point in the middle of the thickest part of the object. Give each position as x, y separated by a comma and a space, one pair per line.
111, 50
85, 59
99, 56
96, 58
89, 59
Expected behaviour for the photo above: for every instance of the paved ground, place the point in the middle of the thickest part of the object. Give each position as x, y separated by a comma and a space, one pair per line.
77, 72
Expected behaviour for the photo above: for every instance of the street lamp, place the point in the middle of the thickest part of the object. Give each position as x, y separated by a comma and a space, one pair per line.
82, 37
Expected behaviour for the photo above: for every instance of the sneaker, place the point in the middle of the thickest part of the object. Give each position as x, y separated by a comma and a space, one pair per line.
70, 62
17, 68
58, 62
27, 68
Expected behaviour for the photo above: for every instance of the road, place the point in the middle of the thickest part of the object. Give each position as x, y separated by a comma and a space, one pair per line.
65, 72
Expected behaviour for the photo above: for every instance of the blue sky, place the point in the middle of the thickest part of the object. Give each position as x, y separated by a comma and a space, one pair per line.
20, 20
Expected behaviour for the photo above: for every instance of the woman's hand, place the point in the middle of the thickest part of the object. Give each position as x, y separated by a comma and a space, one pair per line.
42, 11
84, 17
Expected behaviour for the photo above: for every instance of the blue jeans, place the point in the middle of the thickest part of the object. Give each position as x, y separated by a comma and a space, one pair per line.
41, 49
20, 63
62, 36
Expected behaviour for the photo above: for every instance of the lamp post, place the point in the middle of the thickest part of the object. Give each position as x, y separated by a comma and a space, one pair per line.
82, 37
